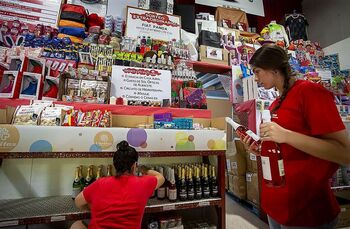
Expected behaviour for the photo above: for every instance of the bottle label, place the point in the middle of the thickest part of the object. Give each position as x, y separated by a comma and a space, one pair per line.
172, 194
281, 167
253, 135
266, 169
161, 193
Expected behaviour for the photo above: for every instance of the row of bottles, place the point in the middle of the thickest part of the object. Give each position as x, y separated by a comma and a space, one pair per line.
81, 181
269, 152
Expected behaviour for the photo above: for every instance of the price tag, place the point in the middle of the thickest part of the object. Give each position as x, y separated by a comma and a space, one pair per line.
202, 204
58, 218
168, 207
9, 223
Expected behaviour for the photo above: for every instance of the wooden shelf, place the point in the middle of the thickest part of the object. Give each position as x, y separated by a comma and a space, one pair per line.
24, 155
42, 210
199, 66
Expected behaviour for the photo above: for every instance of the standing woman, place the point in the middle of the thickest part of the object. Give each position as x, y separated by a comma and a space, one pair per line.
119, 201
313, 142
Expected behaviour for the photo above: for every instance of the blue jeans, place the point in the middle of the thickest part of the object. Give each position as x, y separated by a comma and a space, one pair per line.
274, 225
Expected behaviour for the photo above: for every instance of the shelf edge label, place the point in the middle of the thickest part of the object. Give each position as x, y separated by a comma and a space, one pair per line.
58, 218
9, 223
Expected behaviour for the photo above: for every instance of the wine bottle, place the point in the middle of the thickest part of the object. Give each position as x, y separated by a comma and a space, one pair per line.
109, 171
99, 172
197, 184
89, 179
172, 187
161, 189
205, 182
81, 177
182, 186
189, 182
76, 184
243, 131
213, 185
271, 159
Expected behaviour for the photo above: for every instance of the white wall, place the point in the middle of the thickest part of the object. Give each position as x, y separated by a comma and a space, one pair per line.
328, 20
343, 49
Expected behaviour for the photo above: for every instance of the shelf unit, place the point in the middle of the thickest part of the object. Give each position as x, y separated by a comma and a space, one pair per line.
40, 210
340, 188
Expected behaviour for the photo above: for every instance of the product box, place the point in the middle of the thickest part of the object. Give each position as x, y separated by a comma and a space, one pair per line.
252, 164
213, 55
253, 188
10, 84
51, 88
344, 215
240, 186
230, 183
31, 85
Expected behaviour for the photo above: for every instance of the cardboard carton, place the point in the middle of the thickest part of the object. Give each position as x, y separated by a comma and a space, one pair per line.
253, 188
240, 186
220, 56
344, 215
252, 165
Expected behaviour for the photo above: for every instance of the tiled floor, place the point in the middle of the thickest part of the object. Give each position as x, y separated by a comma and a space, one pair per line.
238, 217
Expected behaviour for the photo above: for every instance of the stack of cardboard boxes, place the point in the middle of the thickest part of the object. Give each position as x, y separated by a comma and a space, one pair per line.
242, 172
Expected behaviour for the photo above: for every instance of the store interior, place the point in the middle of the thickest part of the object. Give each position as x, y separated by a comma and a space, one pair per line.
79, 76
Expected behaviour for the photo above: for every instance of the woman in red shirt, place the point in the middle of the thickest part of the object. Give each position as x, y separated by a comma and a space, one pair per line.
313, 142
119, 201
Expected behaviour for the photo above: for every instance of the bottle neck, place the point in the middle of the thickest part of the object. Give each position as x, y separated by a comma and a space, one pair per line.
234, 124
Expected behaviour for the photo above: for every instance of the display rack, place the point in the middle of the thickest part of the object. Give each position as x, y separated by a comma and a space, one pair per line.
51, 209
340, 188
42, 210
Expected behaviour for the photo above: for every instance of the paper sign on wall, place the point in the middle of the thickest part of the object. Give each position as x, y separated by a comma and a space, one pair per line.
141, 84
147, 23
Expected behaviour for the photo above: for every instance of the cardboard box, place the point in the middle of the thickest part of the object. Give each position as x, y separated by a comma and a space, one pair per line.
220, 57
226, 180
230, 183
253, 188
252, 164
3, 119
344, 215
129, 121
240, 186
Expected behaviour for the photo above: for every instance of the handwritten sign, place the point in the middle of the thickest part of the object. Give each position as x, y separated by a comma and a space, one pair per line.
141, 84
156, 25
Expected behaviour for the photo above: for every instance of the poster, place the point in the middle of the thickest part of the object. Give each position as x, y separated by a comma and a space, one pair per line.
157, 25
139, 84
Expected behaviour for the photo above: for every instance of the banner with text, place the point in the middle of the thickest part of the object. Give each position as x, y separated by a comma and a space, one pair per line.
141, 84
156, 25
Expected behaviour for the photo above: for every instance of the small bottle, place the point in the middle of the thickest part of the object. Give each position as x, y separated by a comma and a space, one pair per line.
271, 159
190, 186
161, 189
197, 184
172, 186
76, 189
205, 182
182, 186
213, 185
243, 131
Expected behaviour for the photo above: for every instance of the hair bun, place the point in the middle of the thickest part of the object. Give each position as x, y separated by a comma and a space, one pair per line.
123, 145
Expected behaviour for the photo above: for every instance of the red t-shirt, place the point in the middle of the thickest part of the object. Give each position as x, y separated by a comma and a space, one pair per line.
119, 202
306, 199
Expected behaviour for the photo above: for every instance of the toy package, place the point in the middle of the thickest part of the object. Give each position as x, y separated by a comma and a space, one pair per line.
51, 116
27, 115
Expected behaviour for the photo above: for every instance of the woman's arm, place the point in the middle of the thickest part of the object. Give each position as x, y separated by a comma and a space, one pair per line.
334, 147
81, 203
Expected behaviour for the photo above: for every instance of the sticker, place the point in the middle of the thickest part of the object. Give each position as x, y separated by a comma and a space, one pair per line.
252, 157
252, 135
228, 162
281, 167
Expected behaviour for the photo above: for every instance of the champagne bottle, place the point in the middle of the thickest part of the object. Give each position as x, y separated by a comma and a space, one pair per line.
89, 179
197, 184
99, 172
76, 184
205, 182
271, 159
109, 171
190, 187
213, 185
81, 177
243, 131
161, 189
182, 186
172, 187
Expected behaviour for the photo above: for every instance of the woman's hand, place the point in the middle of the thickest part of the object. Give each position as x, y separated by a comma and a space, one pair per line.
271, 131
251, 147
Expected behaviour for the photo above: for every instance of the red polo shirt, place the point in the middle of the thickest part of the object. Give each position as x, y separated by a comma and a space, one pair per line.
306, 199
119, 202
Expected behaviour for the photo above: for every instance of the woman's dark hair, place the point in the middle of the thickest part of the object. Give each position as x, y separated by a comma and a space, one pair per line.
273, 57
124, 158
